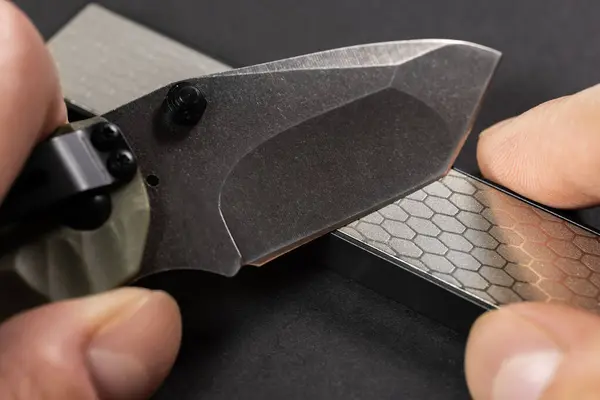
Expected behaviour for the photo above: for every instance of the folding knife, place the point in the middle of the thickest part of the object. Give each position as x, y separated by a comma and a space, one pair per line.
236, 168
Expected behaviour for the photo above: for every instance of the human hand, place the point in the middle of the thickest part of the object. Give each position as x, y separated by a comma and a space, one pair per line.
540, 351
117, 345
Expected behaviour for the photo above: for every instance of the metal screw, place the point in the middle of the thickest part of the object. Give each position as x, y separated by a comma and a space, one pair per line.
105, 137
88, 213
121, 164
186, 104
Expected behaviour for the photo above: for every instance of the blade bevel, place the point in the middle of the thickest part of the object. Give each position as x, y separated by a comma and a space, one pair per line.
193, 223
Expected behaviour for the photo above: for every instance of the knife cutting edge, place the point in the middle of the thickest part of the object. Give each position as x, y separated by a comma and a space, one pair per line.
236, 168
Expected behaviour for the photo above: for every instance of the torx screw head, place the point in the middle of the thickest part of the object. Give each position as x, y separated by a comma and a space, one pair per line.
122, 165
185, 104
106, 136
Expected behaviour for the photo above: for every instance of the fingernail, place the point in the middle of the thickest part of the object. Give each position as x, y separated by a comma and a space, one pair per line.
119, 357
526, 376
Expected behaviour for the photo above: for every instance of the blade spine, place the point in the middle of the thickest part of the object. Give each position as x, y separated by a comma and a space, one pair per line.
251, 70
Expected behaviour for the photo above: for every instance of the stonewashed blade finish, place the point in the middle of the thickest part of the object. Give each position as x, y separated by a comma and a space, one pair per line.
290, 150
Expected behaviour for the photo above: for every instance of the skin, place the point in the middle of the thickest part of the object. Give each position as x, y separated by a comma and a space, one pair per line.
122, 344
118, 345
549, 154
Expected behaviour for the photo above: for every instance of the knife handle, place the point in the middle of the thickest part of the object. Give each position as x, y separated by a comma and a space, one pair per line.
74, 223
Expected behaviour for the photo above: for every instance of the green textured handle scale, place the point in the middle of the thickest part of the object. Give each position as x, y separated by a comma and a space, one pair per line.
64, 263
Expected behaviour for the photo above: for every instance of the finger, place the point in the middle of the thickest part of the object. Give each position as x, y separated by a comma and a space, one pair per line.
550, 153
534, 352
117, 345
31, 104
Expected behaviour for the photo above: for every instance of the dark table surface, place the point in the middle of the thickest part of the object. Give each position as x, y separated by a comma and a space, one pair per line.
297, 330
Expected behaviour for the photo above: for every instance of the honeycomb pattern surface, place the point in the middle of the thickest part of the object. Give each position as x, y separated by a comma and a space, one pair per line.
458, 230
488, 243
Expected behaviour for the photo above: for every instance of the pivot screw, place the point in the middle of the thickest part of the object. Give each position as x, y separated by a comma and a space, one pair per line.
186, 104
105, 137
121, 164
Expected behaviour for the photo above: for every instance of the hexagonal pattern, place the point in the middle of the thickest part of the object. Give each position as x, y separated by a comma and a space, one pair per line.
546, 257
394, 212
487, 243
473, 221
423, 226
416, 208
399, 230
456, 242
438, 263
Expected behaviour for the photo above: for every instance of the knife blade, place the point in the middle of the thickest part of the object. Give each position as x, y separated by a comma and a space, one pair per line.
427, 250
238, 167
289, 150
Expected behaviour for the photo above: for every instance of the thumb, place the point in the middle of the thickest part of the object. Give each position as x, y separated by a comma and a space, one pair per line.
550, 153
116, 345
534, 352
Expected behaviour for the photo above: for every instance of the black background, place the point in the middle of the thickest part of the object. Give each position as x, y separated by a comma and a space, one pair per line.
296, 331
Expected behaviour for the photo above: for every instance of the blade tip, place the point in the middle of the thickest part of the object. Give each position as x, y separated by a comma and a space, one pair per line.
457, 42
